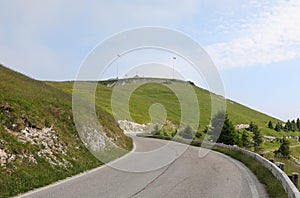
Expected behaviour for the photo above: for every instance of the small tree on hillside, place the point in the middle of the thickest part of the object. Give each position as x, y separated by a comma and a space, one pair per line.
156, 130
257, 139
198, 134
187, 133
287, 126
298, 124
294, 126
253, 127
174, 133
284, 148
206, 130
245, 140
221, 123
277, 127
270, 125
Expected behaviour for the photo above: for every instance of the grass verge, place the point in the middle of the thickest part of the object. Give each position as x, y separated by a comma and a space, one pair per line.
272, 185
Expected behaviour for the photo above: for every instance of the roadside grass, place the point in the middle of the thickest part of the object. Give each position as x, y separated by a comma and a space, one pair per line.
272, 185
290, 165
295, 151
269, 146
29, 176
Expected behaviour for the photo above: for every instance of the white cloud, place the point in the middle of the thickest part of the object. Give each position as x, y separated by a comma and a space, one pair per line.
271, 36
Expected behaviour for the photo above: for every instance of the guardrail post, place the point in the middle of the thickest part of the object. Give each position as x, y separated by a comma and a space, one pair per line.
262, 154
294, 177
280, 165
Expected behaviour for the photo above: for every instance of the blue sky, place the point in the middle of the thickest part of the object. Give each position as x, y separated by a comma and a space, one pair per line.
255, 44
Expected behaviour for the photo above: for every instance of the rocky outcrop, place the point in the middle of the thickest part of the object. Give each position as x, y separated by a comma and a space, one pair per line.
3, 157
48, 142
95, 140
242, 126
134, 128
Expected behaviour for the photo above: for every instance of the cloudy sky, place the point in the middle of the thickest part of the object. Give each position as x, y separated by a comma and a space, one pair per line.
254, 43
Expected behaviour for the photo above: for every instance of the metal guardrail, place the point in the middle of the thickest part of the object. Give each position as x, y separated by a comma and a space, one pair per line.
287, 184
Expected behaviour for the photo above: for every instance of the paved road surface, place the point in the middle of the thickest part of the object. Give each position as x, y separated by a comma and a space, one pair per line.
186, 175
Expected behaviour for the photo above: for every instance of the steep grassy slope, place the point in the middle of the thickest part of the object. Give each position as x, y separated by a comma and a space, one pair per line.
39, 143
148, 94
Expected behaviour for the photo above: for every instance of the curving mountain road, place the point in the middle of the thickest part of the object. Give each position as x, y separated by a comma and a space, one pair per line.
159, 168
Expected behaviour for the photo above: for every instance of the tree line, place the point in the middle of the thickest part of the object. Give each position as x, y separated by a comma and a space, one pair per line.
293, 125
222, 130
230, 136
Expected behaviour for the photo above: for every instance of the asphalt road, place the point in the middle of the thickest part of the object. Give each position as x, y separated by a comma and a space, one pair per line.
159, 168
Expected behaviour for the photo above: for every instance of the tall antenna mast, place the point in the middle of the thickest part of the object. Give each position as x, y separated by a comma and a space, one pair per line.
174, 58
118, 56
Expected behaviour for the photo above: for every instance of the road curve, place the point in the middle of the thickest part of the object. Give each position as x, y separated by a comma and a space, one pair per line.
187, 175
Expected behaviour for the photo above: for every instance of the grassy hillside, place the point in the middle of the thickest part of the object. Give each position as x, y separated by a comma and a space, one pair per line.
148, 94
39, 143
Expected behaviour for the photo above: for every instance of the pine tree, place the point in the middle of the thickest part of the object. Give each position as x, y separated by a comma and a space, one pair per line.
284, 148
287, 126
225, 126
253, 127
298, 124
257, 139
294, 126
270, 125
187, 133
277, 127
174, 133
156, 130
206, 130
245, 140
215, 128
198, 134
